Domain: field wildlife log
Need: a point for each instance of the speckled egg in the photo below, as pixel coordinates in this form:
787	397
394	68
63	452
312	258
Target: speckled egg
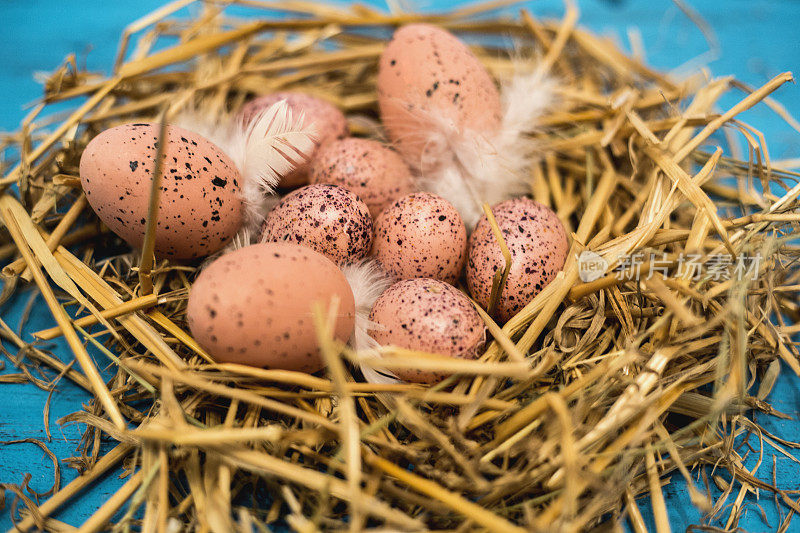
254	306
328	121
421	235
430	316
538	245
200	208
327	218
375	172
427	72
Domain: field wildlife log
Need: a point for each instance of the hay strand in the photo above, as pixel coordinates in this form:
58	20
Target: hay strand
587	399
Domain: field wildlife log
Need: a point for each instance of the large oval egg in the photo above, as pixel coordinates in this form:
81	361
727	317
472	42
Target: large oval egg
254	306
428	77
200	208
375	172
329	124
430	316
538	245
421	235
328	218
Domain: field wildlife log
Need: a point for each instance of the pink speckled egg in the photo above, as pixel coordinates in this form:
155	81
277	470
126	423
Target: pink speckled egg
376	173
421	235
430	316
538	245
424	73
254	306
328	121
327	218
200	207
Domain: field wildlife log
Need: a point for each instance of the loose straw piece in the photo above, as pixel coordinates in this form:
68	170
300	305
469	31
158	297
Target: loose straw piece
109	460
253	460
54	240
159	318
562	35
656	496
14	174
500	276
105	512
751	100
45	358
130	306
31	235
143	22
107	297
149	243
188	50
348	421
238	394
468	509
92	374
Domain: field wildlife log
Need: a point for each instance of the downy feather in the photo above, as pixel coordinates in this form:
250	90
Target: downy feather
367	281
473	168
268	147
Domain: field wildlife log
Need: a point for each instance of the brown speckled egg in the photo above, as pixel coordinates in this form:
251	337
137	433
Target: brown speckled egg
328	218
421	235
200	208
426	71
430	316
328	121
376	173
538	245
254	306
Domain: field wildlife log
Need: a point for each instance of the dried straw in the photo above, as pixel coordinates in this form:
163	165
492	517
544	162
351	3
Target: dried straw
586	400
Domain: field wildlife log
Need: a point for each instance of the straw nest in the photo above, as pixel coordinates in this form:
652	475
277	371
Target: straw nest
584	401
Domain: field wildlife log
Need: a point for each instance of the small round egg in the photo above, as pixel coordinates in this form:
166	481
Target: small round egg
421	235
538	245
428	77
430	316
200	208
329	124
327	218
375	172
254	306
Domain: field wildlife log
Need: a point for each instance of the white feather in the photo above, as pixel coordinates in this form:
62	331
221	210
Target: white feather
272	145
525	98
214	127
241	240
367	281
259	208
270	203
479	170
268	147
472	168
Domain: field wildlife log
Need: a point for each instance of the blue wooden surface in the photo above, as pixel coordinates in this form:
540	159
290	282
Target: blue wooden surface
758	40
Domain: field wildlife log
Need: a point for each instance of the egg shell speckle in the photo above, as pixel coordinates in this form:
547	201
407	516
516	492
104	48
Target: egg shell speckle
327	218
329	124
254	306
376	173
200	208
538	245
431	316
421	235
425	71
